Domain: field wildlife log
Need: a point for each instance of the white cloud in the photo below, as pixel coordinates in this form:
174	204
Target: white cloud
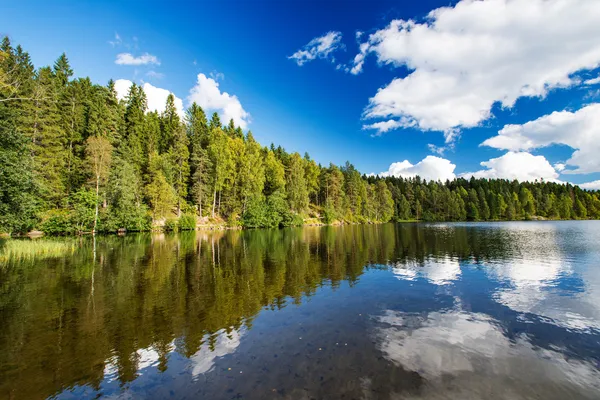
560	167
436	149
129	59
430	168
384	126
206	94
117	41
217	76
595	185
155	75
466	58
319	47
579	130
593	81
521	166
156	97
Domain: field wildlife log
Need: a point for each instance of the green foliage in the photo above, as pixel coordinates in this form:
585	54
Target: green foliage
56	222
171	225
63	139
329	214
256	214
84	205
291	219
18	190
187	222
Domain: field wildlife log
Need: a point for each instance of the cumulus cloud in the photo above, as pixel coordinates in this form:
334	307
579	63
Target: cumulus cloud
560	167
206	94
156	97
431	168
593	81
464	59
579	130
512	165
319	47
595	185
130	59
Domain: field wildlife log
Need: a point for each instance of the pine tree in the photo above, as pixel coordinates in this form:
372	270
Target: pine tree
222	163
253	172
182	168
274	174
297	192
170	125
48	141
131	148
160	193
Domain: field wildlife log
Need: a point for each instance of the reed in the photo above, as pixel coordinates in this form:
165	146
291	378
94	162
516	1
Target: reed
12	250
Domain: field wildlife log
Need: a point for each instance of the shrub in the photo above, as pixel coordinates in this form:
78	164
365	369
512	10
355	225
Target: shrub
171	224
255	215
292	219
55	222
328	214
187	222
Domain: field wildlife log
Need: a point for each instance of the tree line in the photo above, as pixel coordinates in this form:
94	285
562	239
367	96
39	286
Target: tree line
76	159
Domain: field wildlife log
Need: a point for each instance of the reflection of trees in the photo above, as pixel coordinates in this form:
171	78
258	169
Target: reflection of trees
63	318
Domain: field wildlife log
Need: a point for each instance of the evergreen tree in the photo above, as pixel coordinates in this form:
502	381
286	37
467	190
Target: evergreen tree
170	125
297	192
180	155
74	158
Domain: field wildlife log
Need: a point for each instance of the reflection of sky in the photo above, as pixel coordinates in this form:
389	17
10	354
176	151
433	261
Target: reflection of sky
548	270
535	280
201	362
469	346
204	360
438	271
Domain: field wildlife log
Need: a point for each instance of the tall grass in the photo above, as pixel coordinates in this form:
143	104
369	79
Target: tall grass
18	250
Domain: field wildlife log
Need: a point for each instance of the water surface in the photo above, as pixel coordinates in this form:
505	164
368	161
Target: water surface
394	311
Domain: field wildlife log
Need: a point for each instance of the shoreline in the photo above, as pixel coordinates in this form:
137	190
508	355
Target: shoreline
224	227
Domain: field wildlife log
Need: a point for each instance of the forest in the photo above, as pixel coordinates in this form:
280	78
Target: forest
76	159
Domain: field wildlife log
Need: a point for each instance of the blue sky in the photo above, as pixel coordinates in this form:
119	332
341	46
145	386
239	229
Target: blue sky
451	78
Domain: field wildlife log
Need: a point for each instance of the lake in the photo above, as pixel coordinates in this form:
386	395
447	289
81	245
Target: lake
394	311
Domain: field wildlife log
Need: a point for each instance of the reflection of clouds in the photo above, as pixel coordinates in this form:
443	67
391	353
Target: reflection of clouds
534	288
147	357
530	281
470	346
111	371
441	343
226	343
201	362
438	271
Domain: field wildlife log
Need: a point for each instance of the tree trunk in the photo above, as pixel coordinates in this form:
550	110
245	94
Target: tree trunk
214	200
97	195
200	203
219	206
